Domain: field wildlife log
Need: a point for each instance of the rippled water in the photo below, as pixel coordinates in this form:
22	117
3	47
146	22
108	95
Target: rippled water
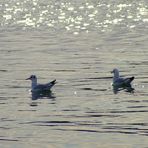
78	43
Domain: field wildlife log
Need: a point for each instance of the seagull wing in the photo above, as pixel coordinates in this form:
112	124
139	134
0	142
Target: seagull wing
41	87
129	80
123	82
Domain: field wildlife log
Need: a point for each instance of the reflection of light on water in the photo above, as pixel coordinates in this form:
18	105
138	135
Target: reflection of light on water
76	33
78	27
129	16
116	21
50	25
91	15
85	24
67	28
133	26
81	7
61	17
143	11
73	16
70	8
145	20
7	17
90	6
75	93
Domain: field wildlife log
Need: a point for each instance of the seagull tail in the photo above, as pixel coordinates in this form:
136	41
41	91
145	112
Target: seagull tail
53	82
129	80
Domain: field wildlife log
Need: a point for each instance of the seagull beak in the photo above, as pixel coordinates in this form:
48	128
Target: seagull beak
28	78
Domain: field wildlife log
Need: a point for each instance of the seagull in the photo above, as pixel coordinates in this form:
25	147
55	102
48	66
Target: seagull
121	82
40	87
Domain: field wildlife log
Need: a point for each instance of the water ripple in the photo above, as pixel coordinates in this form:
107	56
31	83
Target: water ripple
5	139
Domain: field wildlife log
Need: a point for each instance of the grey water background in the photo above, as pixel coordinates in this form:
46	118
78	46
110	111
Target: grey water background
78	43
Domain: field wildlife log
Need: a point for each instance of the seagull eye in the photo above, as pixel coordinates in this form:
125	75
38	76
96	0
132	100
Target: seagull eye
33	77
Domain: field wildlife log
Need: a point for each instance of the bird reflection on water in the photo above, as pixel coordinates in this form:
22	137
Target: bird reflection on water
129	89
42	95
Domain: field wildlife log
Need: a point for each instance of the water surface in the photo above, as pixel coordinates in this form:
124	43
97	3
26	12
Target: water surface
78	43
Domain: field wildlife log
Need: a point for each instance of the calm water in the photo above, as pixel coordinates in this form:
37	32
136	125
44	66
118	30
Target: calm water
78	43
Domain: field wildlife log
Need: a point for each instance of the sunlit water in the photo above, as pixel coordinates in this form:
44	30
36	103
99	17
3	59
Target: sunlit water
78	43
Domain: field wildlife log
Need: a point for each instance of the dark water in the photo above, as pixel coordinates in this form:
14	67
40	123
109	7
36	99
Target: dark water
78	43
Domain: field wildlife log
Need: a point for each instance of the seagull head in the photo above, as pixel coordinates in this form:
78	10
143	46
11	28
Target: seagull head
32	78
116	74
115	70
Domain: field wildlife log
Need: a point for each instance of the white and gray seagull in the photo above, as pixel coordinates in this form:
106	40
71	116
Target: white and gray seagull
119	81
40	87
